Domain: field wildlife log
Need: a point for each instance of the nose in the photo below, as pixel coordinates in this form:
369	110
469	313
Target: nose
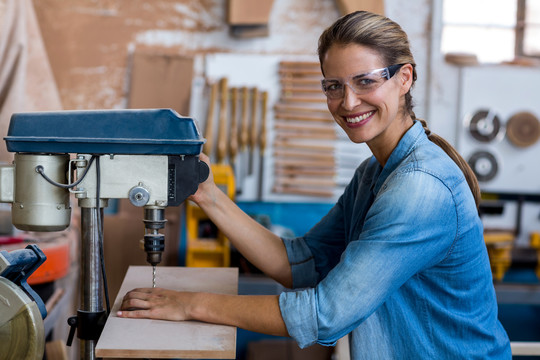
350	98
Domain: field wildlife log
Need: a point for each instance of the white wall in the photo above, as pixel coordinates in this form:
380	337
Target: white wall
454	93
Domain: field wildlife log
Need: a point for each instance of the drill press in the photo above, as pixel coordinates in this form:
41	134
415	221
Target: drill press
150	157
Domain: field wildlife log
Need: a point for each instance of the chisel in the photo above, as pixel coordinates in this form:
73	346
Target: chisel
243	138
222	129
262	141
233	140
209	131
253	128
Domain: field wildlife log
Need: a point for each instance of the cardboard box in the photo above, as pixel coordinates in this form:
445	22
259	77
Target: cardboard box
348	6
249	12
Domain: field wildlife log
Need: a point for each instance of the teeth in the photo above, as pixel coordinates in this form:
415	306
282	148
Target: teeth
359	118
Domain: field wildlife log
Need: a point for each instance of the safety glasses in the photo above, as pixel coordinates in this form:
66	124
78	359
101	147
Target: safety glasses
359	83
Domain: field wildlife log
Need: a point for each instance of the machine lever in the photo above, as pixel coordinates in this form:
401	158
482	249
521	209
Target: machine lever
88	324
72	322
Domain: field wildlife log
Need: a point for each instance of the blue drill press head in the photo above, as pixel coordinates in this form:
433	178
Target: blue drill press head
142	132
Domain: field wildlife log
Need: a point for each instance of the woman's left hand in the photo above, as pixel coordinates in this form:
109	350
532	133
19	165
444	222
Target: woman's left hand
156	303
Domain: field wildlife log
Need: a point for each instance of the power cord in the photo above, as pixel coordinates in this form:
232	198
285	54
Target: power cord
39	169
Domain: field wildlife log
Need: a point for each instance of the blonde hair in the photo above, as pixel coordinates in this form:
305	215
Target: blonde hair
392	44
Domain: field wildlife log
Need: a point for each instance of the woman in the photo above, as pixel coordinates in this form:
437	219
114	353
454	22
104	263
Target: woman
399	263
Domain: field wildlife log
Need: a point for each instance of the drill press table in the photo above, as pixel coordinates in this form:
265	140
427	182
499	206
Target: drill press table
145	338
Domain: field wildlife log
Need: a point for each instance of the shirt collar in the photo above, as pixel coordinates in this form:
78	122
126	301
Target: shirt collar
405	146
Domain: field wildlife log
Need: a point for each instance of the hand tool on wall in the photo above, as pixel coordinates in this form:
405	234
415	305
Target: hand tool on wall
262	141
243	138
244	123
209	130
222	128
233	138
253	128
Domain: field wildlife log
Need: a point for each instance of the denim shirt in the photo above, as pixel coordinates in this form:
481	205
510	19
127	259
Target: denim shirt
399	263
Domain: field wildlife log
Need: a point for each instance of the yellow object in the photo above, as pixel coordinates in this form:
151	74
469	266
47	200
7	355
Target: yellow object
499	245
210	249
535	243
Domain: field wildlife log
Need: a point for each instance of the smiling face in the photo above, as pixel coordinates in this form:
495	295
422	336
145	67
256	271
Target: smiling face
375	117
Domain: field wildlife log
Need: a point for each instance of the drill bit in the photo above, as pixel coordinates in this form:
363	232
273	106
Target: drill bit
154	276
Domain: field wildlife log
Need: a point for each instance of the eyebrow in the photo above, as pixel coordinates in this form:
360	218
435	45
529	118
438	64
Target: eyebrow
357	75
362	75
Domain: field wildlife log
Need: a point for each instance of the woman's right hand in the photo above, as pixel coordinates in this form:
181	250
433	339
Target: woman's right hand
206	188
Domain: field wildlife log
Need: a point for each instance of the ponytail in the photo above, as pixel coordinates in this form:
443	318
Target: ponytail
458	159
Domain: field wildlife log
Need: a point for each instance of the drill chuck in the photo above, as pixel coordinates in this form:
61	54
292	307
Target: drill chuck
154	245
154	242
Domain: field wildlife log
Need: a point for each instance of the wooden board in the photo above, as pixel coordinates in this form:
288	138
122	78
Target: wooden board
145	338
161	81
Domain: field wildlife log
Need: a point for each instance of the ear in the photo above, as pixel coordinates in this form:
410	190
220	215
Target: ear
405	78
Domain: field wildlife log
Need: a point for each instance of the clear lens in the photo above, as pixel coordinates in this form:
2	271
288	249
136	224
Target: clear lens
332	88
359	83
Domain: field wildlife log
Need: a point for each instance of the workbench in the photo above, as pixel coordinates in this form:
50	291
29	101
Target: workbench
146	338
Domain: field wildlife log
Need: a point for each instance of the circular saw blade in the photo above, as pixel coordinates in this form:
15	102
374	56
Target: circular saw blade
484	165
485	126
22	334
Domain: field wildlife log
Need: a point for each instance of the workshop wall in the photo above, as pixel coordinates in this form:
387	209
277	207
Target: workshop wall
100	50
90	42
94	48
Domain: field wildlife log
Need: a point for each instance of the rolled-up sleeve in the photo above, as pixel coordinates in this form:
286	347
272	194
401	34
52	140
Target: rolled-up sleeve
302	263
299	311
405	230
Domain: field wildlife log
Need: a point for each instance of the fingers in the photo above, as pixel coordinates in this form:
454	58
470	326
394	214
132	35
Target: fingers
136	304
134	314
142	290
137	299
130	304
204	158
140	293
